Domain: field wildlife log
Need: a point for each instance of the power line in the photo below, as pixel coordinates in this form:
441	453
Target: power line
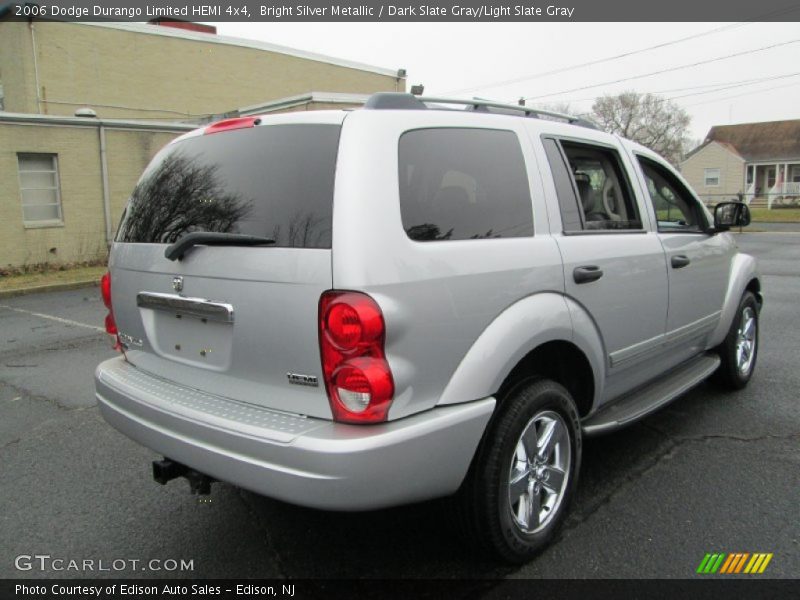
743	94
741	84
719	85
598	61
668	70
756	19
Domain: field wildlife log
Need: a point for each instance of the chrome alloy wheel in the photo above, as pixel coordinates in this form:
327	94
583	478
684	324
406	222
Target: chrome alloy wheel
539	471
746	341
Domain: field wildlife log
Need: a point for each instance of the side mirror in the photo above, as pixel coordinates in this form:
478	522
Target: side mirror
731	214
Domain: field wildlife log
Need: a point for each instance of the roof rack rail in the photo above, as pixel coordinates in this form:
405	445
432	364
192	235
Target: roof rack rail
403	101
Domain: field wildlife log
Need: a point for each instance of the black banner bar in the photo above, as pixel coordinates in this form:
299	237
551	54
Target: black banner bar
411	11
154	589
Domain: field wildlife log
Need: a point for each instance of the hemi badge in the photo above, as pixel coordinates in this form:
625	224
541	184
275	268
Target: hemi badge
300	379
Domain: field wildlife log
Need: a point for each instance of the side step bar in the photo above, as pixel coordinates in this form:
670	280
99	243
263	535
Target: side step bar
645	400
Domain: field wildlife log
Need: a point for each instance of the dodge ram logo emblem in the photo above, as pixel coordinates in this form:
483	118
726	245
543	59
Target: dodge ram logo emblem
177	284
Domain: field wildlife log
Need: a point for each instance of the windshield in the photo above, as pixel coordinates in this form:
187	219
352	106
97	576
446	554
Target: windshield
270	181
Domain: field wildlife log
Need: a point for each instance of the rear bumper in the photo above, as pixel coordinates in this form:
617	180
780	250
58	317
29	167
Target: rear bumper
305	461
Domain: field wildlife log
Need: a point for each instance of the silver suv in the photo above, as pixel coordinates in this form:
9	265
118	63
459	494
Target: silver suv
351	310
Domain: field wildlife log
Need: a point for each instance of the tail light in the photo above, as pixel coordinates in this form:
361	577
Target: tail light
111	325
357	376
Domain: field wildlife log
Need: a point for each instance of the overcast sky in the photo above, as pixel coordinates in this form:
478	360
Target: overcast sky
474	59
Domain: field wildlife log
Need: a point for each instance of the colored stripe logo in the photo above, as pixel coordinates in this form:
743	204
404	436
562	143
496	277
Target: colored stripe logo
737	562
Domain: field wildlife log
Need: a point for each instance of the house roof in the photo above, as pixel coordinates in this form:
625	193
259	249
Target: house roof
771	140
729	147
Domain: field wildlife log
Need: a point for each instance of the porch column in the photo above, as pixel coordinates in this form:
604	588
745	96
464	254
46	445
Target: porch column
785	181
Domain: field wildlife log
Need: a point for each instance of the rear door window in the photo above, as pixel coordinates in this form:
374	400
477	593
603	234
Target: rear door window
603	191
272	181
462	184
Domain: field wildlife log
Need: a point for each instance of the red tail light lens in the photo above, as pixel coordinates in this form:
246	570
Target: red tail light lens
105	289
357	376
111	325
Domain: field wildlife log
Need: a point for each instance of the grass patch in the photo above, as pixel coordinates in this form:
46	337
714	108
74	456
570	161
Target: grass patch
776	215
49	277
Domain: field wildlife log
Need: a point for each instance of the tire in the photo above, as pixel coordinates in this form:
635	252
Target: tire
739	351
500	518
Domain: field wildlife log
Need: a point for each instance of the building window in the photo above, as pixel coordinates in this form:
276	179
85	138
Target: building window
39	189
712	177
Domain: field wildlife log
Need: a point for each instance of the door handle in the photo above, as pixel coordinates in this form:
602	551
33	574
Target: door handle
587	273
679	261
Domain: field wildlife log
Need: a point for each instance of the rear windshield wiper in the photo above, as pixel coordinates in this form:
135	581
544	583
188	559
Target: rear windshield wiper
208	238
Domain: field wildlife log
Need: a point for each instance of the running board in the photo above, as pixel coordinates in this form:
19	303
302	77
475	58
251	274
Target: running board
645	400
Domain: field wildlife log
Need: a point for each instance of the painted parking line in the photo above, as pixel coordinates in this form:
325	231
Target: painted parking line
53	318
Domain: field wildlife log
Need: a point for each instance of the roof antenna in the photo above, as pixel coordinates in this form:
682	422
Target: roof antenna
418	90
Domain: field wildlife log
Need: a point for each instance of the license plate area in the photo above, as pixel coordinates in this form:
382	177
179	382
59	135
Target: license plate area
191	331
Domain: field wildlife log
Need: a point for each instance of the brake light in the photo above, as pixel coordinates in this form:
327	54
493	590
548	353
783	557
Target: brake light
111	325
357	376
228	124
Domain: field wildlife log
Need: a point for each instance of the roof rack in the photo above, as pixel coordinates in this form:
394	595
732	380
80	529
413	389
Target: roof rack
403	101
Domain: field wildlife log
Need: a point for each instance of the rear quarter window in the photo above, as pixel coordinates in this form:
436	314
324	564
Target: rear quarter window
462	184
271	181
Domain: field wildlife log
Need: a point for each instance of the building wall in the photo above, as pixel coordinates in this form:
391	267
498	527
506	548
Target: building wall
82	236
128	153
715	156
16	67
130	74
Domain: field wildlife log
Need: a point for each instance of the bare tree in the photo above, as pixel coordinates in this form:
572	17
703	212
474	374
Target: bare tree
178	197
655	122
560	107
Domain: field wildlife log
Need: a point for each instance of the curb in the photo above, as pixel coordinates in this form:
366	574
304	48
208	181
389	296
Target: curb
52	287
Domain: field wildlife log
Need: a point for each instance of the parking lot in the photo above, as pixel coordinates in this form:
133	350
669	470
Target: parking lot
713	472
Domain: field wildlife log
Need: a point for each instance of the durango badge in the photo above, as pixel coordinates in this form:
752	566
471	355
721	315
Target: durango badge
300	379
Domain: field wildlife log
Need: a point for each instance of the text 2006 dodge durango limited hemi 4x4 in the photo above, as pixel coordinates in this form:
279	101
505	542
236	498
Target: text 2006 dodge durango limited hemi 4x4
422	298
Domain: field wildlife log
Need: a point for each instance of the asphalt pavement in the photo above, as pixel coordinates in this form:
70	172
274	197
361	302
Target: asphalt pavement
713	472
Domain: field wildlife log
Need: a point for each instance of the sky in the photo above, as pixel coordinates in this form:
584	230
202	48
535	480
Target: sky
506	61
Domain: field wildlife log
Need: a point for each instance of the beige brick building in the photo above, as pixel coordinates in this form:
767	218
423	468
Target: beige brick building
64	179
131	71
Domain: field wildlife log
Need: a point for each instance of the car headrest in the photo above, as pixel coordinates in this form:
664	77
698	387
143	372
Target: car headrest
586	191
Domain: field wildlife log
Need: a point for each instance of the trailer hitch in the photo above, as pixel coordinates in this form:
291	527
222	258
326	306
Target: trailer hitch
167	469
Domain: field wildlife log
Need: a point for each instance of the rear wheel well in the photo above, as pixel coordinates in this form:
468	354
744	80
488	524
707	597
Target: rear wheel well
560	361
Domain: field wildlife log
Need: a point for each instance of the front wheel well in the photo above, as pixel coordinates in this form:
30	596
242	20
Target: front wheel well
754	285
560	361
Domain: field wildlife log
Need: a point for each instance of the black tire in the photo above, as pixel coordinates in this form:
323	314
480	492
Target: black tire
730	374
486	514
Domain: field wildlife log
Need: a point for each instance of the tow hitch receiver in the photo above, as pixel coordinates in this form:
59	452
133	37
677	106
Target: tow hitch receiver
166	470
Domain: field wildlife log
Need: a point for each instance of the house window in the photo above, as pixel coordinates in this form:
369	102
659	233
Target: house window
711	177
39	189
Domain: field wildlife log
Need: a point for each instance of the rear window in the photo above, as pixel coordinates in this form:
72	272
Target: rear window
461	184
274	181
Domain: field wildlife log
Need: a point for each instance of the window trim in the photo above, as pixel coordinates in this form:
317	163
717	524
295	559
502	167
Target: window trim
41	223
718	177
575	195
525	164
703	226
